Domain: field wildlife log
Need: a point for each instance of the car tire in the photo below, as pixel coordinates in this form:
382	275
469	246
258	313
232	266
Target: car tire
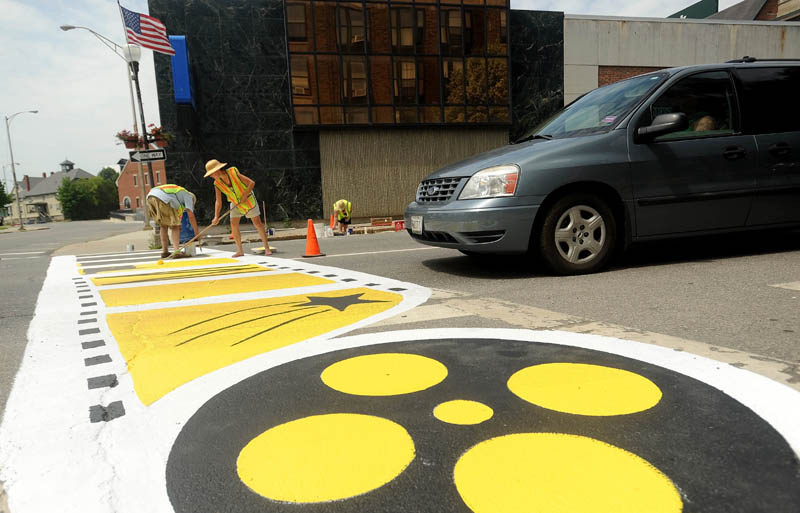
578	235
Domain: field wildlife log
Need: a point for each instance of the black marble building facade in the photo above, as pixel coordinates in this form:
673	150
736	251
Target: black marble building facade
537	68
241	88
239	63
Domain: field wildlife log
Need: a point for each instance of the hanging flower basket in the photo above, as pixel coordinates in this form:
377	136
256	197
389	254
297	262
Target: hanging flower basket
130	139
161	137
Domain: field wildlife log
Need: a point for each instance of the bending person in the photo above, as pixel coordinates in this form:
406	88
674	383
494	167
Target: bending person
342	212
166	204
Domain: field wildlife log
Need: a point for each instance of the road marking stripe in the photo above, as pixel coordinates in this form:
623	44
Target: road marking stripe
24	253
793	285
374	252
92	344
113	297
20	258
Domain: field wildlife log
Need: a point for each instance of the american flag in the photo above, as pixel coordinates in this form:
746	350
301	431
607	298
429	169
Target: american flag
146	31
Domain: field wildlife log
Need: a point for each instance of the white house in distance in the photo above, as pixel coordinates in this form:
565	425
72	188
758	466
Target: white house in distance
38	195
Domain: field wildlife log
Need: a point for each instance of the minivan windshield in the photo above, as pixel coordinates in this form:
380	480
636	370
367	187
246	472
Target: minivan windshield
598	110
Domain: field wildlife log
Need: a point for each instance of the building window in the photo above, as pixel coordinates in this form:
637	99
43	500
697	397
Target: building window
453	80
158	176
126	202
405	81
300	79
135	181
451	31
305	115
356	116
296	22
147	178
138	202
351	29
355	80
408	29
503	28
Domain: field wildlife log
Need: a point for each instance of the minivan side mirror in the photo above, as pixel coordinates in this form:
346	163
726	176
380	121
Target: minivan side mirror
663	124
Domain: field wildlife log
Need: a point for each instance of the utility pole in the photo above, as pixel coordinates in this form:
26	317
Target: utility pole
14	169
135	67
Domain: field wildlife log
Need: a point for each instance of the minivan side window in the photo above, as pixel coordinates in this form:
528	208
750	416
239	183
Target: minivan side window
707	99
770	99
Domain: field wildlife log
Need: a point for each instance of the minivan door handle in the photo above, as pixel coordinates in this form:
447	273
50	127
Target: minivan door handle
734	152
780	149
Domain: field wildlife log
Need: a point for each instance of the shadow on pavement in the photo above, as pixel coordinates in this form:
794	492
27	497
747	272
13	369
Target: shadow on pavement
703	249
643	254
488	267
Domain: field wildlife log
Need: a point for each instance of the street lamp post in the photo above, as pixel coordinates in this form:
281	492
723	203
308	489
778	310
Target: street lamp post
127	54
134	54
13	168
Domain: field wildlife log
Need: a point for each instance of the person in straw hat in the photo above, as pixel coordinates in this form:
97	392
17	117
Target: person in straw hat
238	189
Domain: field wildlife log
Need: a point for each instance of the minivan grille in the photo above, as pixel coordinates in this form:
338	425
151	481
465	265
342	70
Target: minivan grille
437	190
433	236
483	237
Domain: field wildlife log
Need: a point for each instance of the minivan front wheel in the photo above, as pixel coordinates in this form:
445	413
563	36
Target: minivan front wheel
578	234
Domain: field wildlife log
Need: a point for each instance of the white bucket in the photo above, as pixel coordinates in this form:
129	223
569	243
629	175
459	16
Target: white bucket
129	248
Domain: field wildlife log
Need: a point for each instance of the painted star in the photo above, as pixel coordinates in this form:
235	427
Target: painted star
340	303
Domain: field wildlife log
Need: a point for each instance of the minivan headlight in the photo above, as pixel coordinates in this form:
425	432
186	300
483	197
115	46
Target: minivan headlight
492	182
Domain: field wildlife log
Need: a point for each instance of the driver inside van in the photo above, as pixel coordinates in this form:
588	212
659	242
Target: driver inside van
702	122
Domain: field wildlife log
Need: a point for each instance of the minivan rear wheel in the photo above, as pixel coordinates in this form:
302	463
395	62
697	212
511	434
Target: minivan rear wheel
578	234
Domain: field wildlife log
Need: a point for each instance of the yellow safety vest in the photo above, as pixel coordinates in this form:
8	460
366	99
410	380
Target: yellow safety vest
347	208
235	192
171	188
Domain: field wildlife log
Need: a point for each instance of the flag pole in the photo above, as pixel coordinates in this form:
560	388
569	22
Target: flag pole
135	127
130	84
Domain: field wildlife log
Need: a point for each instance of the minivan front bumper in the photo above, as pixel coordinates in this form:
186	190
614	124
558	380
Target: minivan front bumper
495	225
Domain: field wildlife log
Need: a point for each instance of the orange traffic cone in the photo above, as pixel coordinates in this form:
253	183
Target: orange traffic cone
333	223
312	245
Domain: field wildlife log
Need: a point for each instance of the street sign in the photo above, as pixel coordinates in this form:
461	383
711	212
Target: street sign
148	155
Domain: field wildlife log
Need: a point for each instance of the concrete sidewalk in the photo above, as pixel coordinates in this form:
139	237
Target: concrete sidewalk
142	239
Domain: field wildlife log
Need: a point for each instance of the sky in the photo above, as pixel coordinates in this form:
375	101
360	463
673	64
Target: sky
80	89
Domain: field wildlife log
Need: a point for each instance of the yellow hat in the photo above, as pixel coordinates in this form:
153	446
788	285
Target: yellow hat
214	165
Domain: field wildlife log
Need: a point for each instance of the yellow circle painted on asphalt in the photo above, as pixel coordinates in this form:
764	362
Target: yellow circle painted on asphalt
559	473
384	374
462	412
325	457
584	389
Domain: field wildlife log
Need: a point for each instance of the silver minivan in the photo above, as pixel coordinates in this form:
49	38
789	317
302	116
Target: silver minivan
693	150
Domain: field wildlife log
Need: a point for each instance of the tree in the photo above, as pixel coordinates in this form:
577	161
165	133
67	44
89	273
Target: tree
5	197
109	174
91	198
105	196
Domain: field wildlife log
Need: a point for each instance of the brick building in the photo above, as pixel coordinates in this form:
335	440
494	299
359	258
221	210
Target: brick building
129	187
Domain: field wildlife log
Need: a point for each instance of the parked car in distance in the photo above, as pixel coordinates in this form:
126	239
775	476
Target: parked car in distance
694	150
